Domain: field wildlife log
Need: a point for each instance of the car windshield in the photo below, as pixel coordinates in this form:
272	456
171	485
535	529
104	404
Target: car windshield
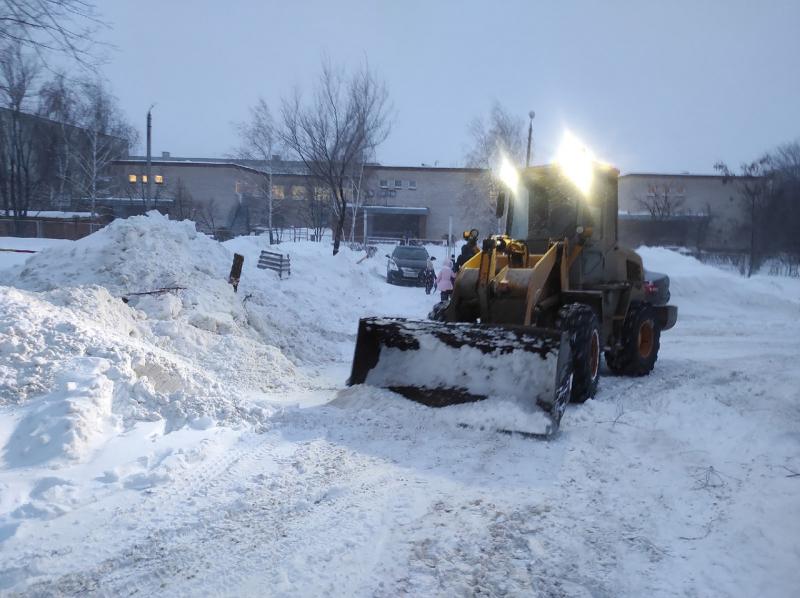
410	253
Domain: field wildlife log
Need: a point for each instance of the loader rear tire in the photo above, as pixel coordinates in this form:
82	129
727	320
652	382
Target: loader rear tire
641	340
581	323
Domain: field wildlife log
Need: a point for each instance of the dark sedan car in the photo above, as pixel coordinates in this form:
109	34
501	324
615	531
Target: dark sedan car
406	264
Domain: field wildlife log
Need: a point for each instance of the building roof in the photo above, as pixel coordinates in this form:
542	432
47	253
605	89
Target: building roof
425	168
55	123
132	200
683	175
396	210
57	214
296	167
136	160
647	216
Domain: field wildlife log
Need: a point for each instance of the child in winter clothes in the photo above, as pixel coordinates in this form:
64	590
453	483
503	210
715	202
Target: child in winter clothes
444	281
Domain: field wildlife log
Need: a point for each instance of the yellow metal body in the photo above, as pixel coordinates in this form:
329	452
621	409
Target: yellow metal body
504	284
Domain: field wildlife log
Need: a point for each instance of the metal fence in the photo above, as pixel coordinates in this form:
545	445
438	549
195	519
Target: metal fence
72	229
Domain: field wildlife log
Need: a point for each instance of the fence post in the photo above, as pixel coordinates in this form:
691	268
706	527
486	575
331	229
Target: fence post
236	271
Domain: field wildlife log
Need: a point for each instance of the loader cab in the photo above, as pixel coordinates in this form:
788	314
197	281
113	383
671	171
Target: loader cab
548	207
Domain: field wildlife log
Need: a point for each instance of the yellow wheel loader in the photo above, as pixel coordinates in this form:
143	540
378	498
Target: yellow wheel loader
532	311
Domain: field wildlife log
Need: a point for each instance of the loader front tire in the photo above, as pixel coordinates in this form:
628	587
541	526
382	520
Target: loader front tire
641	340
581	323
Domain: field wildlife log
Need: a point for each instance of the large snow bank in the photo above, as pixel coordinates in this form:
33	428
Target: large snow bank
702	290
73	355
313	314
195	354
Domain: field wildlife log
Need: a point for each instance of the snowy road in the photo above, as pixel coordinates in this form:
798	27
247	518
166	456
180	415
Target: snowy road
662	486
678	484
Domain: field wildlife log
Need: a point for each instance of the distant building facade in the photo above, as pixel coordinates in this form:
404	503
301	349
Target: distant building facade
230	197
421	202
702	211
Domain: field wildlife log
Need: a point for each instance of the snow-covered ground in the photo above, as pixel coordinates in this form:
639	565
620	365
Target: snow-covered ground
203	442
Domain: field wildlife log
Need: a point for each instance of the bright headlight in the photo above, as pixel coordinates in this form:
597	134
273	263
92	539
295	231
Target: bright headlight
508	174
576	160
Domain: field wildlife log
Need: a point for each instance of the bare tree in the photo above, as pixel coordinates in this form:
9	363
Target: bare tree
782	218
754	184
317	212
662	202
357	196
19	165
259	140
206	216
346	118
501	135
58	102
106	136
49	27
183	205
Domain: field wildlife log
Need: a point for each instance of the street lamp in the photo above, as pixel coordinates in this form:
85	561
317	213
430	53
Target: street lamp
530	134
149	156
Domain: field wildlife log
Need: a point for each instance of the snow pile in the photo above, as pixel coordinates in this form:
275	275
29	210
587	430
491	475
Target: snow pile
312	315
196	353
69	419
702	290
680	482
490	416
83	362
142	254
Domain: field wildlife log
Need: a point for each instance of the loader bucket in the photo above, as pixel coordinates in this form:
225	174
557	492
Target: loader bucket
441	364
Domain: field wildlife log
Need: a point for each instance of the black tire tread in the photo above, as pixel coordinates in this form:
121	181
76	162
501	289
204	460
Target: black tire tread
626	361
579	320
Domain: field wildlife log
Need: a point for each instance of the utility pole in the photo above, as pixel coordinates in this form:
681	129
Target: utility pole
148	186
530	135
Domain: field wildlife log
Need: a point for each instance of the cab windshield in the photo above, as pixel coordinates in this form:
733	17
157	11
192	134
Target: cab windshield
549	207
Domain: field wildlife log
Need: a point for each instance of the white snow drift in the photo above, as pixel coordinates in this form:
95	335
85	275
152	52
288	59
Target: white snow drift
200	441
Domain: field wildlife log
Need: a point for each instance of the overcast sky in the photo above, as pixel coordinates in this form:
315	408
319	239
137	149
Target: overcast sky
649	86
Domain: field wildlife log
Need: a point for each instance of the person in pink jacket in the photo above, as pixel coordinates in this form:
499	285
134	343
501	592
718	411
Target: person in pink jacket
444	281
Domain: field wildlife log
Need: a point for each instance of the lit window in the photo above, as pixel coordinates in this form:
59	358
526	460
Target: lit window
277	192
298	192
132	178
384	184
398	184
322	193
144	178
412	185
159	179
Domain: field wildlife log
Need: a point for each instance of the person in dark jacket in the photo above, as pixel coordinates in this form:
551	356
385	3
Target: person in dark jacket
469	248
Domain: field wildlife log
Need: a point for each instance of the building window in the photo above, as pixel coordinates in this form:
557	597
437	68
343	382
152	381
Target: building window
277	192
159	179
321	193
384	184
132	178
398	184
298	192
412	185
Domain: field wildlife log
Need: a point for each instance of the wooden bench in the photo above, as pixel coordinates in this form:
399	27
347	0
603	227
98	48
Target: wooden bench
272	260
